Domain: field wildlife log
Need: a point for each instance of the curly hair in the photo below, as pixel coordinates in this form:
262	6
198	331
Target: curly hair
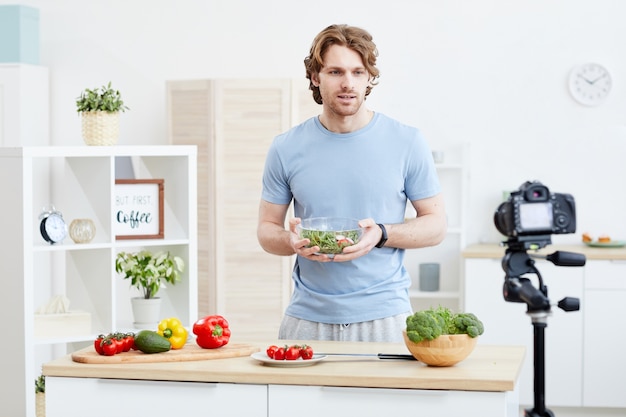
357	39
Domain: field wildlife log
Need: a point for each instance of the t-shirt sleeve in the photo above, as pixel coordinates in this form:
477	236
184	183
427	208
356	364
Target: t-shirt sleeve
275	185
422	180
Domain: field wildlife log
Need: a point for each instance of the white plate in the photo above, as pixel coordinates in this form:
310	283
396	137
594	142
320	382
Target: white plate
611	244
262	357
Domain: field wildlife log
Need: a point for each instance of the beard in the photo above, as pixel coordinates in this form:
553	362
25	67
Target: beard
340	107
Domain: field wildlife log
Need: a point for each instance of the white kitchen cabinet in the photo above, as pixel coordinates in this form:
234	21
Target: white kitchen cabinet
233	122
79	181
507	323
604	367
153	398
453	176
374	402
66	398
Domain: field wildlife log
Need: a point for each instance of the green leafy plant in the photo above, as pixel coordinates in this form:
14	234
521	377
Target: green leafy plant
148	271
104	98
40	384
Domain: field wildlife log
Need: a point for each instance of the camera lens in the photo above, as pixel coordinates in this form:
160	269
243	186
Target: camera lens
503	220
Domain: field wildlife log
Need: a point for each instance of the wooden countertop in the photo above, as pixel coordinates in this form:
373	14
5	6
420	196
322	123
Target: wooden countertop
488	368
496	251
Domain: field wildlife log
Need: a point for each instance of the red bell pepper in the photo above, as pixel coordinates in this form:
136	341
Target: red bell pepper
211	331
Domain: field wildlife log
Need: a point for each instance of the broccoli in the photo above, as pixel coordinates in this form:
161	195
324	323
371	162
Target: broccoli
424	325
468	323
432	323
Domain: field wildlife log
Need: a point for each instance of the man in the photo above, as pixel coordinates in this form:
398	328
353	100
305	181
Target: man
349	162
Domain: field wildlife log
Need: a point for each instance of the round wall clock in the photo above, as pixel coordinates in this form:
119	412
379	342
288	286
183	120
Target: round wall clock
52	226
590	84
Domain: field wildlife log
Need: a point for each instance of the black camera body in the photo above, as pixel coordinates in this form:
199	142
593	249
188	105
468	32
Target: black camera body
533	210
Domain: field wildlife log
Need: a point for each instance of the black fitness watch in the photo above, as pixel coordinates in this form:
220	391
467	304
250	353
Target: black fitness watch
383	238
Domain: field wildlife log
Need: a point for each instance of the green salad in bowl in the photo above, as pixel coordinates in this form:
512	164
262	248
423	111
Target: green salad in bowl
330	234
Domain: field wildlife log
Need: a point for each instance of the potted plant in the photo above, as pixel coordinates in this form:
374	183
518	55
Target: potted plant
148	272
40	396
99	109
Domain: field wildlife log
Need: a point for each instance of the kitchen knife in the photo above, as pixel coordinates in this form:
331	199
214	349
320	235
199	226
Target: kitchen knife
373	355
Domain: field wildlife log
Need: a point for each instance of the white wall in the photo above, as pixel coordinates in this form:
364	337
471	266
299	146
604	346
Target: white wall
489	72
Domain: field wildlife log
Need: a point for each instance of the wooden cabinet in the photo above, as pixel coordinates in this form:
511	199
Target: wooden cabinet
233	122
453	176
79	181
604	308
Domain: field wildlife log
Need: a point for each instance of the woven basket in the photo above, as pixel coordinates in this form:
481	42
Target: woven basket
40	404
100	128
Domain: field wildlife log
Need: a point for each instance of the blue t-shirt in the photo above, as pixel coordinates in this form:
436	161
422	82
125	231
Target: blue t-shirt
369	173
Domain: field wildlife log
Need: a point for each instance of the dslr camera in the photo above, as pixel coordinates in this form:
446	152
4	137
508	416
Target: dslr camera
533	211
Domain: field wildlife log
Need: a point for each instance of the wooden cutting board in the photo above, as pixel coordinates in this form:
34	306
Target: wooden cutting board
190	352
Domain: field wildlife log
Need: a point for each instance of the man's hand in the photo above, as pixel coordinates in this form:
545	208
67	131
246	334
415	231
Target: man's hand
369	239
299	245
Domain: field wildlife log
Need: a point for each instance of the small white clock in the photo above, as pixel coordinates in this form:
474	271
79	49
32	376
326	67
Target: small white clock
52	225
590	84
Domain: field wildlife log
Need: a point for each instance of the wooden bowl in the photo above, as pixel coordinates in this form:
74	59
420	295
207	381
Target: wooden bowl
446	350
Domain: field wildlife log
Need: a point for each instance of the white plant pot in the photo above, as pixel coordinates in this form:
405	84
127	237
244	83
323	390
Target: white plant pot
146	312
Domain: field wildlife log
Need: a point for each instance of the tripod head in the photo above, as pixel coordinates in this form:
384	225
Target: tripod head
517	262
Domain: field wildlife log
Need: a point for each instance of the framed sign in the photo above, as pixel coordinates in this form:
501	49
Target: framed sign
138	212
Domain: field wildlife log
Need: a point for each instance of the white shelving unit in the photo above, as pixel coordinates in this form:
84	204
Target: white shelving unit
79	181
453	176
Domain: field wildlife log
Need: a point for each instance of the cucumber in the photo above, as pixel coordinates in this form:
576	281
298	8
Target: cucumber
149	341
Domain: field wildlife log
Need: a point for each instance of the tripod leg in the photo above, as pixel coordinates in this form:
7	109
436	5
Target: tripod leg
539	362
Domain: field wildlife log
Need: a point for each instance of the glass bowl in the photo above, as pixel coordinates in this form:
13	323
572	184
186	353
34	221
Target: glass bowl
330	234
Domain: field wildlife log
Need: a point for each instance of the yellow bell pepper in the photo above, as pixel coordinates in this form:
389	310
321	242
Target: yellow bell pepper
174	331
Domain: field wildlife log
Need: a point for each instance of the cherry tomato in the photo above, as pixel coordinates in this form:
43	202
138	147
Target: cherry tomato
109	347
119	343
271	350
129	341
97	344
306	352
292	353
279	354
343	241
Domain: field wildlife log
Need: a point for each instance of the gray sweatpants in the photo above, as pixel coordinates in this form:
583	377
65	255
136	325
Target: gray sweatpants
388	329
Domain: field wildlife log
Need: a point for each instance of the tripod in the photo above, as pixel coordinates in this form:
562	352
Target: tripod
518	289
